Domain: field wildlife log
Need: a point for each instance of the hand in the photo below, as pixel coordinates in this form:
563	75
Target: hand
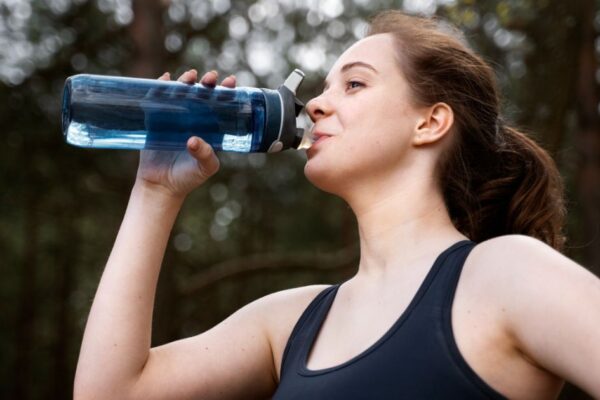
178	172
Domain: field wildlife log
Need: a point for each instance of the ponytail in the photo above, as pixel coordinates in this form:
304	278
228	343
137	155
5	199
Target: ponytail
515	189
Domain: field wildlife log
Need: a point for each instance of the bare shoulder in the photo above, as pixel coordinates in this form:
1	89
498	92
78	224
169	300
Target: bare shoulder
520	258
281	310
288	300
548	303
514	248
519	269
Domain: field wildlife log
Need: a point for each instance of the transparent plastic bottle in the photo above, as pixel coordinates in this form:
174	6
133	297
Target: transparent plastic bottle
131	113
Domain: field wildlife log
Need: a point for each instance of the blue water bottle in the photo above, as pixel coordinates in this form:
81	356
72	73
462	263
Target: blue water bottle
131	113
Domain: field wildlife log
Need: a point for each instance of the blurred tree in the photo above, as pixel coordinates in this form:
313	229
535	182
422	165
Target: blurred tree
587	137
254	228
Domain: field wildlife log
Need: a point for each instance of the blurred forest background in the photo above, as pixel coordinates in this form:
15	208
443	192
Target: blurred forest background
258	226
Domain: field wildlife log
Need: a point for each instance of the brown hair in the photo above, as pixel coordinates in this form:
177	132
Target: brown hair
495	180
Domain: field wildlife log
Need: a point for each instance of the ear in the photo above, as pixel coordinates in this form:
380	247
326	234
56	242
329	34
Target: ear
433	124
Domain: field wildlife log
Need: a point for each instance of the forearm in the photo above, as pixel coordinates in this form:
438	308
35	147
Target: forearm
117	337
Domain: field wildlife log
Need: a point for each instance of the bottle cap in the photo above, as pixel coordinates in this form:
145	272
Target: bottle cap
282	108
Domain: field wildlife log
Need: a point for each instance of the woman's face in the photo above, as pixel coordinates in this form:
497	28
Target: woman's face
363	120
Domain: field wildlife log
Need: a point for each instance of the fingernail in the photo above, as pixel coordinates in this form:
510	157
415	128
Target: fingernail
193	144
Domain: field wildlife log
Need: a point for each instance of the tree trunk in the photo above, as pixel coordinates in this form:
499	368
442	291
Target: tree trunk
27	299
587	139
587	142
148	36
63	286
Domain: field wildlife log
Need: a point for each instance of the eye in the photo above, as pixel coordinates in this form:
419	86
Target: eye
354	84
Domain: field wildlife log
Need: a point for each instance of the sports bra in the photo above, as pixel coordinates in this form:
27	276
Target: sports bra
417	358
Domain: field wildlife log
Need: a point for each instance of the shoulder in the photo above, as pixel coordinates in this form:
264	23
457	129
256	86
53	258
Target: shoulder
280	311
283	308
276	314
521	258
513	248
547	303
534	271
519	270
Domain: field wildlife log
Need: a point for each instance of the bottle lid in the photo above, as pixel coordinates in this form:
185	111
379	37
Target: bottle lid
282	108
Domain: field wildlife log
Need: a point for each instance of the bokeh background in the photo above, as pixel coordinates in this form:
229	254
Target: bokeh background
258	226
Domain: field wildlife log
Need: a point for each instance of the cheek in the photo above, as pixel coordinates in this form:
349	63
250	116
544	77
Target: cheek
370	143
385	132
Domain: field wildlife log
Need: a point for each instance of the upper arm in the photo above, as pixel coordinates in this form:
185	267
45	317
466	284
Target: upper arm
553	310
233	360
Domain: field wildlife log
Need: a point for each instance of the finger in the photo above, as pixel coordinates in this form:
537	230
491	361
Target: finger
155	91
210	79
229	82
189	77
204	154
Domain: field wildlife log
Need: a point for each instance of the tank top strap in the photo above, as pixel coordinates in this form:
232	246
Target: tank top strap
306	328
448	269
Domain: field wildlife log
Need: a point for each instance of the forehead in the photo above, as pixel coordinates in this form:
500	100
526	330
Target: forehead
377	50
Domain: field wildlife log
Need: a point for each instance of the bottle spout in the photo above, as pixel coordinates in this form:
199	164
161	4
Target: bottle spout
305	138
294	80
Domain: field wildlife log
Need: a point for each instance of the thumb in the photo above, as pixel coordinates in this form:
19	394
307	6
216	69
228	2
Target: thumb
207	160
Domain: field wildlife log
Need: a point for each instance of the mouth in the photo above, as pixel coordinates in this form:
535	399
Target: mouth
319	137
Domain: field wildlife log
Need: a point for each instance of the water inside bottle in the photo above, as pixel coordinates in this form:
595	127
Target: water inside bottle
139	114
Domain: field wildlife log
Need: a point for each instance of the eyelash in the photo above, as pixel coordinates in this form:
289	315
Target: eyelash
349	83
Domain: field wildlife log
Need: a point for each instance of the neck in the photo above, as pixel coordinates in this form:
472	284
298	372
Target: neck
399	223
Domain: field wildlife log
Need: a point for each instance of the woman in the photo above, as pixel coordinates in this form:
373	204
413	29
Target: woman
408	133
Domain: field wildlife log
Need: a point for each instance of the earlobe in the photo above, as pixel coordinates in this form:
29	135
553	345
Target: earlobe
434	124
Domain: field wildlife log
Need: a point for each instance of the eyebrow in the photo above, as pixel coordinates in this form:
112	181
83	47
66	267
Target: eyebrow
350	65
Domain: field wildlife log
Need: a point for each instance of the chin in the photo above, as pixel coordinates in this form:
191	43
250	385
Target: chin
326	179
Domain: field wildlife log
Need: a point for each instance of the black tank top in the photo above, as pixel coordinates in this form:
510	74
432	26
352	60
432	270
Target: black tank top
417	358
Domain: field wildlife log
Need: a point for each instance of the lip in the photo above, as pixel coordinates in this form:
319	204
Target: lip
317	144
319	137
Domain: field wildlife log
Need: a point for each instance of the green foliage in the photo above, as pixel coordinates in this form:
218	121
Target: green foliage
61	206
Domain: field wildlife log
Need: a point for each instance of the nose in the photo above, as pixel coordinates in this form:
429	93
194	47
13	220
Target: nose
317	108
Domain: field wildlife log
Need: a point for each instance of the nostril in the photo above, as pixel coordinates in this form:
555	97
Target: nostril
313	109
